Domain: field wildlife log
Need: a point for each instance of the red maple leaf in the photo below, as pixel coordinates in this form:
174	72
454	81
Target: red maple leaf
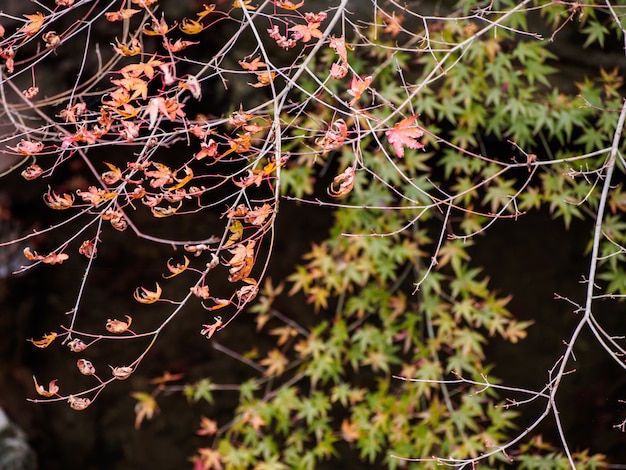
404	134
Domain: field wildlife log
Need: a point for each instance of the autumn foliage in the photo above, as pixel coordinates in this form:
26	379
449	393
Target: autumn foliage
389	109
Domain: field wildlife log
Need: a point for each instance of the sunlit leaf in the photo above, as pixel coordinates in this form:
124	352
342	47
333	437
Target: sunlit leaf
45	341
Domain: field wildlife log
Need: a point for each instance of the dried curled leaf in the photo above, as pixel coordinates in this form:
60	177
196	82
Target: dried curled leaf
183	181
247	293
334	136
53	388
88	249
116	218
45	341
191	27
177	46
209	330
118	326
127	50
200	291
95	196
51	38
121	373
112	176
77	403
345	181
258	215
32	172
28	147
177	268
289	5
219	303
52	258
160	212
58	202
76	345
358	86
85	367
145	296
123	14
263	79
208	149
242	261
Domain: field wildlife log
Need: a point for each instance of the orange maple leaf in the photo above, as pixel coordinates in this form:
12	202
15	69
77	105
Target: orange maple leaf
288	5
254	65
34	25
45	341
306	32
404	134
177	46
123	14
242	261
339	45
358	87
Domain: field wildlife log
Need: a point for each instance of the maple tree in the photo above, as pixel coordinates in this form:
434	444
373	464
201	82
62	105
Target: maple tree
390	111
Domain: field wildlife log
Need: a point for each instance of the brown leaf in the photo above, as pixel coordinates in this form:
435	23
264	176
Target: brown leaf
345	181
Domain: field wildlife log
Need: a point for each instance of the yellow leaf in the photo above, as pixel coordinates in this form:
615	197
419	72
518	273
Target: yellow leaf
288	5
160	212
145	408
128	50
191	26
207	10
45	341
34	25
275	363
245	4
184	181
